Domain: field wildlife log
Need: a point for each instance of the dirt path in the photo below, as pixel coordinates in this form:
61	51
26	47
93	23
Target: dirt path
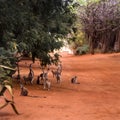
95	98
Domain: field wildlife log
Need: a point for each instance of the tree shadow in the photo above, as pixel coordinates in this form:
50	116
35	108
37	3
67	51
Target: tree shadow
2	114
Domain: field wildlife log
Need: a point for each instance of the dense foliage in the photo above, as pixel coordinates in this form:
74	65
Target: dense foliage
35	26
7	58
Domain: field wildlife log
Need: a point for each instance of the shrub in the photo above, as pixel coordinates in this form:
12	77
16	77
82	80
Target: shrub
82	50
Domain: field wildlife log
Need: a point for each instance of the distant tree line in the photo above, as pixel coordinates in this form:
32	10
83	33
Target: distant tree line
101	23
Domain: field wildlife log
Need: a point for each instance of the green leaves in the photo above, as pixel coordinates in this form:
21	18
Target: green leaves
32	25
6	73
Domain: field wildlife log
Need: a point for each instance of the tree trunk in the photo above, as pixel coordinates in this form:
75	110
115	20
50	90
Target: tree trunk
91	46
119	41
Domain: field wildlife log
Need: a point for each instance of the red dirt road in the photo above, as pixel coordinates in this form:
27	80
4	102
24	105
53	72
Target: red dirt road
97	97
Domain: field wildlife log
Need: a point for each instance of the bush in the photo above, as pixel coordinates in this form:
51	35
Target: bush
82	50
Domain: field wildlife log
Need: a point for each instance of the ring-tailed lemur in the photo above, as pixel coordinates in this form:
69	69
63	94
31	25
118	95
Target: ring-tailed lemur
74	80
47	84
43	76
57	75
30	76
24	91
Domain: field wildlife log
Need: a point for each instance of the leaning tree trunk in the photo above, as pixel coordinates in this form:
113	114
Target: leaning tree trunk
91	43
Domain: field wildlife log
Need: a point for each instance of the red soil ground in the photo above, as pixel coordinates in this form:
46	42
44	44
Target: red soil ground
97	97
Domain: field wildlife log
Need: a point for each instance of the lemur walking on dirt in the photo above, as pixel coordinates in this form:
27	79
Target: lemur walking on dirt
57	73
30	76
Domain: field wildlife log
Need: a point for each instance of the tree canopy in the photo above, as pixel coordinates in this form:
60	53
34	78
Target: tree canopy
35	26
